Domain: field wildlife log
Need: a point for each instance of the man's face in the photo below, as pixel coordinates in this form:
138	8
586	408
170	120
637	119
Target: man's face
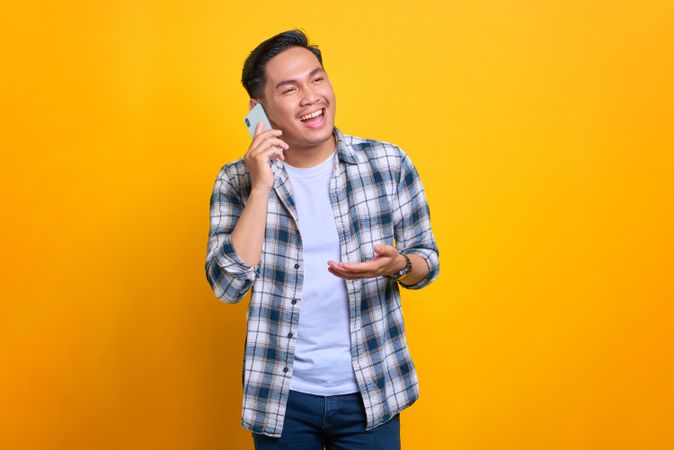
296	85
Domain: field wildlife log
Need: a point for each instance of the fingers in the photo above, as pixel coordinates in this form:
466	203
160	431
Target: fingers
268	155
355	271
270	147
339	272
264	140
258	129
267	145
261	136
369	267
334	269
341	275
385	250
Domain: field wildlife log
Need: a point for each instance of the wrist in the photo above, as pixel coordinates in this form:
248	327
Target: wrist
260	191
405	270
400	264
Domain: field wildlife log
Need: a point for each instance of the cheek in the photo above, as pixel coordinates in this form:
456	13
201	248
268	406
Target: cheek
330	95
280	114
287	112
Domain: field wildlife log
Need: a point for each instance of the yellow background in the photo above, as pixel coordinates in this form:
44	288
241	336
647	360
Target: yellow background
543	132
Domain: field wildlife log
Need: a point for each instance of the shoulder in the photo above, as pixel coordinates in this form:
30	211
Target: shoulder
233	175
375	151
233	171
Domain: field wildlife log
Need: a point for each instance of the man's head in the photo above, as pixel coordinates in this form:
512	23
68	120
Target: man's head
286	75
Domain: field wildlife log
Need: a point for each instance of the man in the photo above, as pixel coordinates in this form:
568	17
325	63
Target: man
323	227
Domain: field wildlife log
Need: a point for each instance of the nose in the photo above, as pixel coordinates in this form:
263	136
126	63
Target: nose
310	96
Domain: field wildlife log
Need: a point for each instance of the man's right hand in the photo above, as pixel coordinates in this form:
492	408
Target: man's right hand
265	146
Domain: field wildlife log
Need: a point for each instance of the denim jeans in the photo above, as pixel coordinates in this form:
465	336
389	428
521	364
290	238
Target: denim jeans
336	422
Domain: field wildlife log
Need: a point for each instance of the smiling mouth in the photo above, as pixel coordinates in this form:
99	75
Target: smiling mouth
314	116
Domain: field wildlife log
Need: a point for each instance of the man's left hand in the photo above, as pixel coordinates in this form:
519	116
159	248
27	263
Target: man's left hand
386	262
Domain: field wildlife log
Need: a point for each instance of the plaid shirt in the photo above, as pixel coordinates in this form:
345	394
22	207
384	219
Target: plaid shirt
377	197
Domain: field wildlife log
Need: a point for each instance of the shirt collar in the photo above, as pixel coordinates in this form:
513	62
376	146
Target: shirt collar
345	150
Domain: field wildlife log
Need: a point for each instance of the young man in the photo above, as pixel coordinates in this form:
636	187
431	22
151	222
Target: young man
323	227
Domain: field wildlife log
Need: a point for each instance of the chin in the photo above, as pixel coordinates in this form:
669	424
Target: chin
310	138
320	137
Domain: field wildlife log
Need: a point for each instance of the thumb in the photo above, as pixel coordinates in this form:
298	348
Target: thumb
385	250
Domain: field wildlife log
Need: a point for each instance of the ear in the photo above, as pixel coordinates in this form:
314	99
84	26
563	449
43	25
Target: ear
251	103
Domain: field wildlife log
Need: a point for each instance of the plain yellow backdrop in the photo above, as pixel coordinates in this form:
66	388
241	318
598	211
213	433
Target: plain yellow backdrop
543	132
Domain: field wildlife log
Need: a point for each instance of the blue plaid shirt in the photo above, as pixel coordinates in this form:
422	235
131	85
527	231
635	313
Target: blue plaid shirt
377	198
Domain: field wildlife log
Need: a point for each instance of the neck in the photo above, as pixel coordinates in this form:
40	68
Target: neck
304	157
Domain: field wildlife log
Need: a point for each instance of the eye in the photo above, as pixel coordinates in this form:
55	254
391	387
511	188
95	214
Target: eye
316	80
288	90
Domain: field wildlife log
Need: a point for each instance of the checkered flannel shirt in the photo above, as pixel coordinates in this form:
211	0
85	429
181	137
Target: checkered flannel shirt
377	198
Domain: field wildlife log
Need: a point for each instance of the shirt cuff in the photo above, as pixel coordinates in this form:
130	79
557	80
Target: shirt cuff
230	261
431	258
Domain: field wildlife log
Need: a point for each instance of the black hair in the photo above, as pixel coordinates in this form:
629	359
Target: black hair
253	78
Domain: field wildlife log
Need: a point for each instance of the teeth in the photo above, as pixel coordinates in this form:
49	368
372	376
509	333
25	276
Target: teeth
314	114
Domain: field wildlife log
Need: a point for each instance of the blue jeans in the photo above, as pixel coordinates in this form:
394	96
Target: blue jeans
335	421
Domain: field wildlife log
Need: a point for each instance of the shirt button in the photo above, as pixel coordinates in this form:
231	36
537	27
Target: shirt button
297	266
293	301
285	369
290	335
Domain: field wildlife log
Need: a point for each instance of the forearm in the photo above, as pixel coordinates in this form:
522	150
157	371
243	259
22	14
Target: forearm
248	234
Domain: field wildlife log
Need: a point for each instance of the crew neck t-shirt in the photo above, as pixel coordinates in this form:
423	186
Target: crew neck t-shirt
322	363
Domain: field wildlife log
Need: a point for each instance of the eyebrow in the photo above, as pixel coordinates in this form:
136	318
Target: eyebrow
311	74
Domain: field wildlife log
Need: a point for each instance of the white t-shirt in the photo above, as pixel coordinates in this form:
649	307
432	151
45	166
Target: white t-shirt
322	363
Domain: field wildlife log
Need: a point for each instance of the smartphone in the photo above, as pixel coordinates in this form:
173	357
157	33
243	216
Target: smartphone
255	116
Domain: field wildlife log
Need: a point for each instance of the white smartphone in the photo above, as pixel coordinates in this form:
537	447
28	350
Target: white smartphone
255	116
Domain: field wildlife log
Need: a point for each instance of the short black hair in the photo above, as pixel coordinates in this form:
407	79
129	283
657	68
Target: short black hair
253	78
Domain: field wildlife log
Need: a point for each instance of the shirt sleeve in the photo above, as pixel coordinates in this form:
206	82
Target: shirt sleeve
229	277
412	222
